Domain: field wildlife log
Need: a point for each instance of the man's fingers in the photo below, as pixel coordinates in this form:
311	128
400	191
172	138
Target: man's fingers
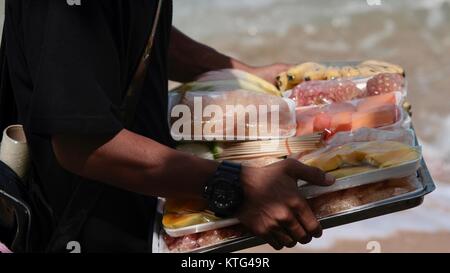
306	240
273	242
293	227
308	220
283	238
312	175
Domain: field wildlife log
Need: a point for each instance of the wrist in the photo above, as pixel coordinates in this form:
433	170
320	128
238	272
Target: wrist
223	191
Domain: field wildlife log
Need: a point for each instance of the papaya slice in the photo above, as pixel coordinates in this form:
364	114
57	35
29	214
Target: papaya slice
375	102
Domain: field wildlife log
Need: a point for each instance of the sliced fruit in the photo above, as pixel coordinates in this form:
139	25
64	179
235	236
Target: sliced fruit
173	220
375	102
378	154
375	118
349	171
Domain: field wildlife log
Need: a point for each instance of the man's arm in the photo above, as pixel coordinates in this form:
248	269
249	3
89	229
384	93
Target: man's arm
188	59
136	163
272	207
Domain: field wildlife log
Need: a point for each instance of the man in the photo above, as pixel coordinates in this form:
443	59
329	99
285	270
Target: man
70	66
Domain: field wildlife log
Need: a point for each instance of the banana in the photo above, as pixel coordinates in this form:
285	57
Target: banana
282	81
332	73
349	72
313	71
385	66
235	74
295	75
367	71
315	74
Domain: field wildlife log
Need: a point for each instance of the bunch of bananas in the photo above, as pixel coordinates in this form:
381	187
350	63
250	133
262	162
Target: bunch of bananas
229	79
311	71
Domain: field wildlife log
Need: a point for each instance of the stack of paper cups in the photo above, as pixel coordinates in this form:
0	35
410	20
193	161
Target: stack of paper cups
14	150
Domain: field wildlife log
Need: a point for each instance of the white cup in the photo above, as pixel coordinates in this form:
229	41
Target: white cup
14	150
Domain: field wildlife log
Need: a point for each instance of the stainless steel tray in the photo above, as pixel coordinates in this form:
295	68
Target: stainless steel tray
387	206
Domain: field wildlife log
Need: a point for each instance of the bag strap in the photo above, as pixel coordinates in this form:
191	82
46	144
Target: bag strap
132	96
87	194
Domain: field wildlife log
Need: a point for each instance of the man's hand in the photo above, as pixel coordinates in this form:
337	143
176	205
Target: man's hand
273	208
270	72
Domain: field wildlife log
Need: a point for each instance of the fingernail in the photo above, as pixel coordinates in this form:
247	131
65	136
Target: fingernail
329	179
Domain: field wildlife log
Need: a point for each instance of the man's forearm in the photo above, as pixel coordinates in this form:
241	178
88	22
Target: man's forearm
188	58
133	162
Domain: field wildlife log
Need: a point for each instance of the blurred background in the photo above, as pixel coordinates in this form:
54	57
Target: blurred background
414	34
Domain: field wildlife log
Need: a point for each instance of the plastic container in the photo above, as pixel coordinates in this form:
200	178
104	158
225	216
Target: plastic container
405	136
382	112
201	227
234	115
403	170
322	92
360	163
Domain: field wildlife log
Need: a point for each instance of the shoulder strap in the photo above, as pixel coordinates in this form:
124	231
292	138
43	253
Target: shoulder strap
136	84
86	194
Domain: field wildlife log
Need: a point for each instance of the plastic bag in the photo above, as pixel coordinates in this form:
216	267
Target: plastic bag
230	115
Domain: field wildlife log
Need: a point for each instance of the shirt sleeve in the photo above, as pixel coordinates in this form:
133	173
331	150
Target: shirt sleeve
77	85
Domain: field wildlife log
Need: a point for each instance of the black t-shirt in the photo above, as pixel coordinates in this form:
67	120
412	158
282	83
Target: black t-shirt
69	69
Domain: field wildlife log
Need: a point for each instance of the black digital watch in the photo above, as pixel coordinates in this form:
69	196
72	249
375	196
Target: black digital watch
224	191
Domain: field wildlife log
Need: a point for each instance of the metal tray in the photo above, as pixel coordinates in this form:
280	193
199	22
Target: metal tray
387	206
311	191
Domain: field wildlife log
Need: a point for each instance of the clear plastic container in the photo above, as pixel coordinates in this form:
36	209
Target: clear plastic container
230	116
382	111
341	90
405	136
361	163
403	170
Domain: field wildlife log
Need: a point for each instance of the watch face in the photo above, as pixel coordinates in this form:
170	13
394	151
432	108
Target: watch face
224	195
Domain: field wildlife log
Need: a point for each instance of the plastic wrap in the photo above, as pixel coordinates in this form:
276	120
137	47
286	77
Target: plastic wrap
380	111
230	115
333	203
311	71
377	154
360	163
198	241
341	90
405	136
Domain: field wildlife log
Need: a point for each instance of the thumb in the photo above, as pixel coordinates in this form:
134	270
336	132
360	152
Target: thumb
312	175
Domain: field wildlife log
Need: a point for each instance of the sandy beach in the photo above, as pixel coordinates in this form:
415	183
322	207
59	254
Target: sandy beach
407	241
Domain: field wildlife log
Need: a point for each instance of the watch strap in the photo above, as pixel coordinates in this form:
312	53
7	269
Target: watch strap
229	170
